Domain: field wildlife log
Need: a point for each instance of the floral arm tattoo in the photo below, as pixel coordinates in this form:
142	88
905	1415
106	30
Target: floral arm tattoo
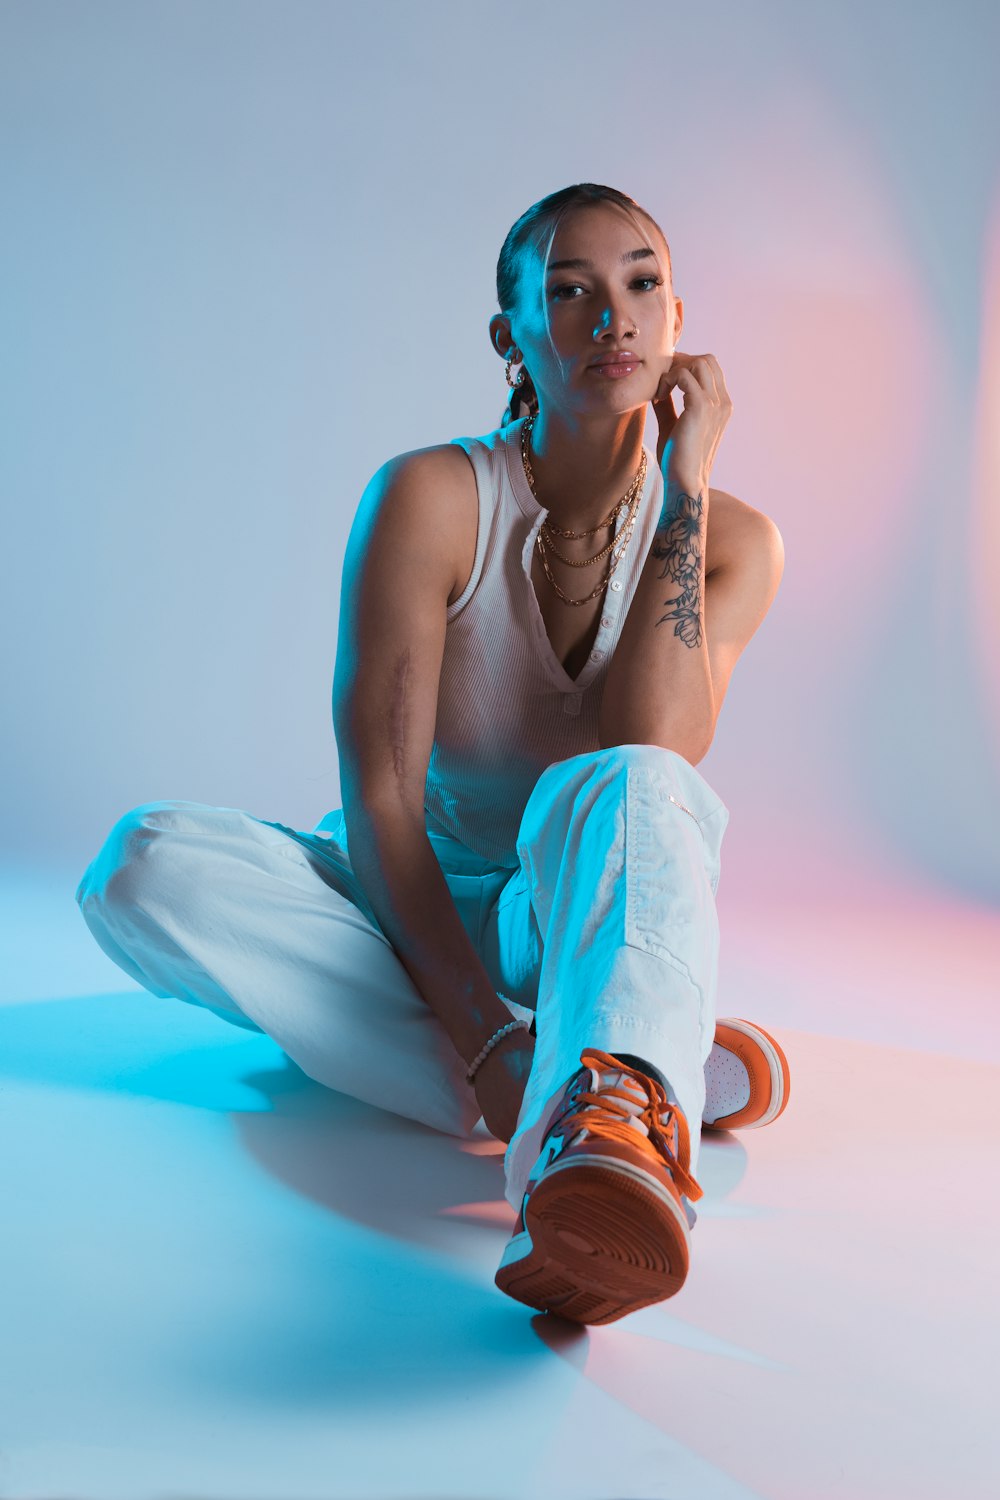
678	541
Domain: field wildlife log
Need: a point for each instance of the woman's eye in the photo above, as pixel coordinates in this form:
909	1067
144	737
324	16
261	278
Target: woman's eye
574	286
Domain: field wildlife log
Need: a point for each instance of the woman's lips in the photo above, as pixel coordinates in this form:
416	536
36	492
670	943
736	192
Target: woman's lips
617	370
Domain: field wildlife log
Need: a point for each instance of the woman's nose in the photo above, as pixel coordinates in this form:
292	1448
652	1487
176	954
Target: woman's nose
614	317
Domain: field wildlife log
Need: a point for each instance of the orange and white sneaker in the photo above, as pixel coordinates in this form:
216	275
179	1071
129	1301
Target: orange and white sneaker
603	1228
746	1077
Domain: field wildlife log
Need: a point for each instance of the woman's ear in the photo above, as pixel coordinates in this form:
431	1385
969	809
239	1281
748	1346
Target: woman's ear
501	335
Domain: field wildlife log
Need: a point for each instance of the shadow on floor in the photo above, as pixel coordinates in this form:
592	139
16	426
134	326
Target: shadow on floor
383	1294
374	1168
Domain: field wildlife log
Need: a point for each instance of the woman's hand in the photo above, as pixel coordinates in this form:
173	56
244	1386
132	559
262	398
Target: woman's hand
500	1081
687	444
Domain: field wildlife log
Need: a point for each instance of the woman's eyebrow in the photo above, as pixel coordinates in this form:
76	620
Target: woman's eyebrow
578	264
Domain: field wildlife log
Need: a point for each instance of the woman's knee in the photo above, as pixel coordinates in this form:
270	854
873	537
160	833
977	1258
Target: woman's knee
615	760
643	756
138	851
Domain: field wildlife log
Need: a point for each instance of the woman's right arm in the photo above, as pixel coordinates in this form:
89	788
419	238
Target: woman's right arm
400	568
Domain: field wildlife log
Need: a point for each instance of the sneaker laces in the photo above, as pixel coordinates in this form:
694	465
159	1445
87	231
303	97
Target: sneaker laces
620	1116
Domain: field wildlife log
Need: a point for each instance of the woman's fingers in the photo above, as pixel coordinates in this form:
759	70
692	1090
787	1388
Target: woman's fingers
696	373
663	389
718	379
702	373
687	381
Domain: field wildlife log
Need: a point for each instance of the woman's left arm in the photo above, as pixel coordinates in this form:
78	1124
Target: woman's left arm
665	685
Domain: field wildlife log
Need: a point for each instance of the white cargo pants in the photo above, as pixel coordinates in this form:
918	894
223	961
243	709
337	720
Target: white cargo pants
607	930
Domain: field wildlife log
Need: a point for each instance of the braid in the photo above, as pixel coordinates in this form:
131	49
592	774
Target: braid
523	395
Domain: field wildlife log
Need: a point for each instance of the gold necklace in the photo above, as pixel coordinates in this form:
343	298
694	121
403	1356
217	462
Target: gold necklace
630	498
579	562
582	562
616	558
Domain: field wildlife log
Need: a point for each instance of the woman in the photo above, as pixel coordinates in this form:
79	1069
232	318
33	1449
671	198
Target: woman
524	836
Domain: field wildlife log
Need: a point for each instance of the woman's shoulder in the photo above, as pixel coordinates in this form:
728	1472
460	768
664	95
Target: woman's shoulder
733	527
425	497
444	474
449	463
437	484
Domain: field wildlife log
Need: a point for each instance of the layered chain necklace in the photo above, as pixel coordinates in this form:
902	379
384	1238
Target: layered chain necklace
617	547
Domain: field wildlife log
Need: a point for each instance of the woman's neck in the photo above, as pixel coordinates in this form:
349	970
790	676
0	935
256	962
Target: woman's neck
581	468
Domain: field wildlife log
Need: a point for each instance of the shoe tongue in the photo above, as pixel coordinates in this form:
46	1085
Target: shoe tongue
612	1078
639	1100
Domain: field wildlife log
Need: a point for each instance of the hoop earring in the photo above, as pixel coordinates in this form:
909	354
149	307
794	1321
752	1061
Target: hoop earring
520	376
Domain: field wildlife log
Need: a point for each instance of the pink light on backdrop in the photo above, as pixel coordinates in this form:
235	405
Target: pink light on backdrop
840	349
853	427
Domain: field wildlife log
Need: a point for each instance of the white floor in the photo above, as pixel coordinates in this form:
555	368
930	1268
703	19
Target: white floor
222	1280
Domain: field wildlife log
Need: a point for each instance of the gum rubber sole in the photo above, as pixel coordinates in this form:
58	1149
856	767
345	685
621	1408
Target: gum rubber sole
602	1245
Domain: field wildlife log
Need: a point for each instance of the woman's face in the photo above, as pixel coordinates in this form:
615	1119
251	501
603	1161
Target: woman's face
592	309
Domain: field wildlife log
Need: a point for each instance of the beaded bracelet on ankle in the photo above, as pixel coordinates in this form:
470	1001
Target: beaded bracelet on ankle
497	1036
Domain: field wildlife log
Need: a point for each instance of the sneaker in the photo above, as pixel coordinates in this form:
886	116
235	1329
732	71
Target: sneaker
603	1228
746	1078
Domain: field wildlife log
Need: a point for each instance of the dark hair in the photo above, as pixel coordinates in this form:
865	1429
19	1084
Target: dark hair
527	234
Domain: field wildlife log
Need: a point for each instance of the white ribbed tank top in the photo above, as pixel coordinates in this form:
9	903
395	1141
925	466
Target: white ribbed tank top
506	706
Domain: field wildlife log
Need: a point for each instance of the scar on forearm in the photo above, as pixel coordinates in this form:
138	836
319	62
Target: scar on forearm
678	541
397	713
